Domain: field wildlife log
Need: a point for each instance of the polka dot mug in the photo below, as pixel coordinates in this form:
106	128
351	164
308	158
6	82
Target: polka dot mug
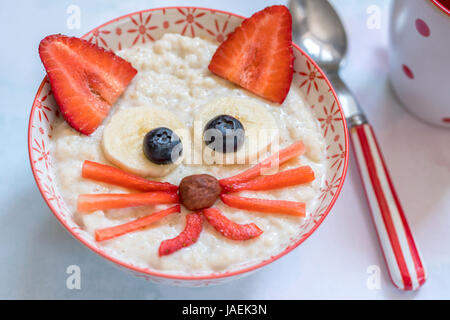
420	58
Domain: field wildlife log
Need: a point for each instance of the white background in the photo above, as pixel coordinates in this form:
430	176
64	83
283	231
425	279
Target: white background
35	250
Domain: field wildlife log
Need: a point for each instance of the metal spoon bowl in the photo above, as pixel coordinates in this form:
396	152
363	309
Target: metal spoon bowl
319	31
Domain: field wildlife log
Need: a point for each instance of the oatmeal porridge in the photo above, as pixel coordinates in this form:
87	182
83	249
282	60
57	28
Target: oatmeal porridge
174	84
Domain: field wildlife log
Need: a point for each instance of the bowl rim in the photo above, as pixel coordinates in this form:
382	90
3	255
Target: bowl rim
211	276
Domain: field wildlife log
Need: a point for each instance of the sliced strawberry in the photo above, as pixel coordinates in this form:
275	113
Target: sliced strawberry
292	208
106	201
230	229
108	174
190	234
278	180
258	55
86	80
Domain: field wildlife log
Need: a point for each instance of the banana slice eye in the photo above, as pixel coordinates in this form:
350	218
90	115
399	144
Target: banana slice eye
123	139
259	130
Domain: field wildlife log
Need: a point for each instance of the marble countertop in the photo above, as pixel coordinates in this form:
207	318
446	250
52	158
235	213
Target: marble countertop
336	262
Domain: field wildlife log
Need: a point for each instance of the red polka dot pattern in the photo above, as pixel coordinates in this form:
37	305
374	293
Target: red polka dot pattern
408	71
422	28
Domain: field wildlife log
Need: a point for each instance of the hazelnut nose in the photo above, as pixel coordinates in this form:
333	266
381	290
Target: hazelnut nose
199	191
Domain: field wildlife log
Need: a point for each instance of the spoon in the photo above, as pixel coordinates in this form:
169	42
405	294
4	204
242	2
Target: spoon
318	30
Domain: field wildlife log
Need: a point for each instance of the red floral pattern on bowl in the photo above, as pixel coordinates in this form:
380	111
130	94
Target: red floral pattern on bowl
142	27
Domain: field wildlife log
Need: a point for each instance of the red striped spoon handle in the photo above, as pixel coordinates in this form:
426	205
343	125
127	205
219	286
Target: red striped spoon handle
400	251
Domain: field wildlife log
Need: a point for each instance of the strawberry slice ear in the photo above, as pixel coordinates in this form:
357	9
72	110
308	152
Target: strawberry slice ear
258	55
86	80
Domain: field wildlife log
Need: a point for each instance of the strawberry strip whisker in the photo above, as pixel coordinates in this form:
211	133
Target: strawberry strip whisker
277	159
279	180
230	229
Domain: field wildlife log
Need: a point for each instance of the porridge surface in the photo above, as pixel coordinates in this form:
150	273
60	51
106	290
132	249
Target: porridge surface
173	75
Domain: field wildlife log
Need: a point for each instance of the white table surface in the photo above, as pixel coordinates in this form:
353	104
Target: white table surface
35	250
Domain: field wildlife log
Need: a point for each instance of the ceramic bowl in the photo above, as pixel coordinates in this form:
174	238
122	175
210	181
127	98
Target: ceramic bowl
149	25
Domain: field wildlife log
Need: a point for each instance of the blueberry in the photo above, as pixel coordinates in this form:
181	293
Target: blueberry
224	134
162	146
